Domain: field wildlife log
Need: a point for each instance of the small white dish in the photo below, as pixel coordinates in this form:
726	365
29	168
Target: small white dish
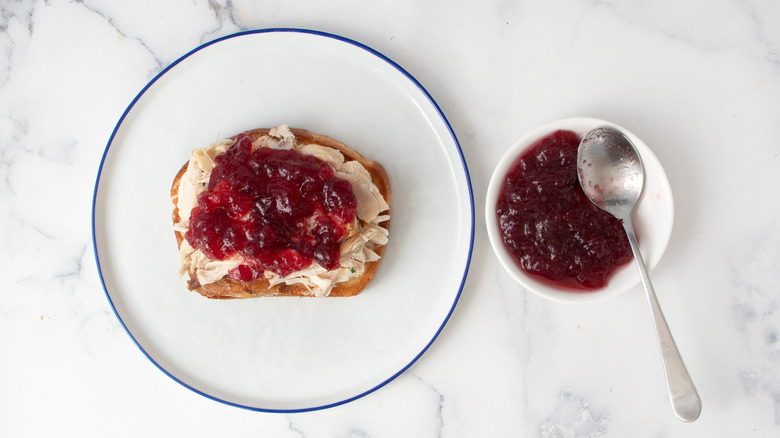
653	217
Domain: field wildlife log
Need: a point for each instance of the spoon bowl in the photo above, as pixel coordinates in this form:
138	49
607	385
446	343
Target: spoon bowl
610	170
611	174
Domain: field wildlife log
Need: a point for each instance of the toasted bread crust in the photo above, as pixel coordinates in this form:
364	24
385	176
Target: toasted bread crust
228	288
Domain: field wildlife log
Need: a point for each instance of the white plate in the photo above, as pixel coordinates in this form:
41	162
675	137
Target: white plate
284	354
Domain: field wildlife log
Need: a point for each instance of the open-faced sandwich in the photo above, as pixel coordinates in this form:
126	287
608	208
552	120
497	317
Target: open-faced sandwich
280	212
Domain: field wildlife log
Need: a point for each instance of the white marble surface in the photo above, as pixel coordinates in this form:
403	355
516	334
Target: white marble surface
699	82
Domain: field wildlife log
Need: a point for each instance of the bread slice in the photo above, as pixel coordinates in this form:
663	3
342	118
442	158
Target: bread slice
227	288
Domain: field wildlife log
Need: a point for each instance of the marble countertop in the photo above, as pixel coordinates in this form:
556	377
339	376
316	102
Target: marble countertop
699	82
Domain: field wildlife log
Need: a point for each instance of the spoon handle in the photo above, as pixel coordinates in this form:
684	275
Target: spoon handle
685	400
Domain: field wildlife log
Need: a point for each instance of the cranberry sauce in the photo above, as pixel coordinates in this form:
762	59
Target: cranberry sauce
550	226
279	210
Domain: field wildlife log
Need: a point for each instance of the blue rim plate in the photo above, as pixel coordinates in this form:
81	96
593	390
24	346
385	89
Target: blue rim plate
284	354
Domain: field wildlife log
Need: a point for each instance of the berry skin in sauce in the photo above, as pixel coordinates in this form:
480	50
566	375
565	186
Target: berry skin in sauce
550	226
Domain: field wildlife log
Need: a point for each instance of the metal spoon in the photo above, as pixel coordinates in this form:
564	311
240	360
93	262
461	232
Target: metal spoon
611	174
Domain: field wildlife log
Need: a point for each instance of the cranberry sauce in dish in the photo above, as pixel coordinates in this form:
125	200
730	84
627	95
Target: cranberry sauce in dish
278	210
550	226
